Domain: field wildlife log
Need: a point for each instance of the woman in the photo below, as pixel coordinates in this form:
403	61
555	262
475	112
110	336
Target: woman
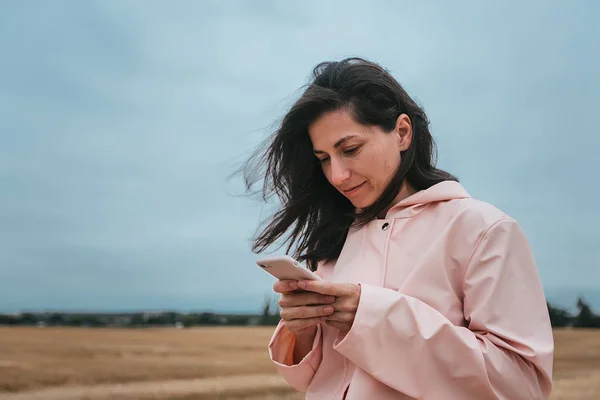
427	292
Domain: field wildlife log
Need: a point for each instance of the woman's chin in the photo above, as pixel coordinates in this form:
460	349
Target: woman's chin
361	203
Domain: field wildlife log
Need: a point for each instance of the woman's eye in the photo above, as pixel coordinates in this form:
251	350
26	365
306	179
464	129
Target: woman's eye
323	160
351	151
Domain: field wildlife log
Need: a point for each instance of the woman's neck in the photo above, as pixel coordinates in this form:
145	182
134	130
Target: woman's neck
405	191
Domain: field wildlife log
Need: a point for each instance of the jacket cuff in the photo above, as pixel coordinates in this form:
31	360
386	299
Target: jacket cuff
281	352
349	342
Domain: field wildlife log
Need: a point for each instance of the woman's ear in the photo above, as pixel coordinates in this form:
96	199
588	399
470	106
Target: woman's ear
404	131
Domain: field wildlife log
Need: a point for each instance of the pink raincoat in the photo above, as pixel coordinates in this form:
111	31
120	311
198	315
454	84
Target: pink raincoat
451	308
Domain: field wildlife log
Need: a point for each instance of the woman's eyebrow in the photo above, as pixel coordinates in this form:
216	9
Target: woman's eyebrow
338	143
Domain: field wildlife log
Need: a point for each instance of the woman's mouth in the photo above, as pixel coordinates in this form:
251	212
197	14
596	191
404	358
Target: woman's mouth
352	191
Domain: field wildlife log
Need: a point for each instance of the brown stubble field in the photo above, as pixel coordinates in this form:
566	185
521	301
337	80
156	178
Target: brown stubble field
200	363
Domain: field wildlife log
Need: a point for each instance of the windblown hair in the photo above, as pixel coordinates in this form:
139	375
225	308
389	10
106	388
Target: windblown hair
318	214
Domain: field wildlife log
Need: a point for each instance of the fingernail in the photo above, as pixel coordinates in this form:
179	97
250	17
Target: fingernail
330	299
302	284
328	309
293	285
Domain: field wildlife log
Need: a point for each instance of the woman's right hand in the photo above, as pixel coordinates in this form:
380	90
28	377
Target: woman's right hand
301	310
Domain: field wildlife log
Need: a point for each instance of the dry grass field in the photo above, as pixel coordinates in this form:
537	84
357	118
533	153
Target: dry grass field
203	363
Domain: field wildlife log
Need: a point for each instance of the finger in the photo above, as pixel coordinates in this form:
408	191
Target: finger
342	304
337	325
304	298
325	287
299	324
340	316
285	286
304	312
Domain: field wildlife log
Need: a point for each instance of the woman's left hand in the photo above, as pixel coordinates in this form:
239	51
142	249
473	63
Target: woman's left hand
346	303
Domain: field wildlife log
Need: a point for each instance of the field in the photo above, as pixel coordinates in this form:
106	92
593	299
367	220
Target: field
204	363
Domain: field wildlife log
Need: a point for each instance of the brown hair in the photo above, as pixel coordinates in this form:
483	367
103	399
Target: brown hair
319	214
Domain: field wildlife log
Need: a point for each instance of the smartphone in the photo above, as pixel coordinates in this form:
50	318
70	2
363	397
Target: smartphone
285	267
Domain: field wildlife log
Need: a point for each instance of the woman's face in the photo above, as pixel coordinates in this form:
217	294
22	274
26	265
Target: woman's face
359	161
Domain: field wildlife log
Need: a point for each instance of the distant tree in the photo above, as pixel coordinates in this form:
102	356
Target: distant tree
137	319
586	318
270	312
236	320
75	320
94	320
207	318
159	319
558	316
56	319
189	320
171	318
8	319
28	319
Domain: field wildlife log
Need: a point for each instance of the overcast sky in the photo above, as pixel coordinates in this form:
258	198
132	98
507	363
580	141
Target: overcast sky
120	122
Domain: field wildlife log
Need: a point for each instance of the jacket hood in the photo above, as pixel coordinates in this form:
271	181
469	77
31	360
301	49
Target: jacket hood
412	205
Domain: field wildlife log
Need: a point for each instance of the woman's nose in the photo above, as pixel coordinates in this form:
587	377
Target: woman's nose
339	172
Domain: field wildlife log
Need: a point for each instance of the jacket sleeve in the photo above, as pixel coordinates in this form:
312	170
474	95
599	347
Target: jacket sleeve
505	351
281	351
